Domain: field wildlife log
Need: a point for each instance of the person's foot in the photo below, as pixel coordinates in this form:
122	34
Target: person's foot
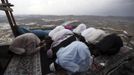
51	74
52	67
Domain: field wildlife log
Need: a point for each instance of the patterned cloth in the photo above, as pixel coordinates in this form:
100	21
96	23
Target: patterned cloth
24	65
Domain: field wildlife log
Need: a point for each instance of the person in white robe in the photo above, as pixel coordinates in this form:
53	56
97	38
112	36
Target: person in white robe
58	37
75	58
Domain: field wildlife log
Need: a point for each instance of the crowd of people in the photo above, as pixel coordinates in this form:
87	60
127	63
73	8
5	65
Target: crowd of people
71	50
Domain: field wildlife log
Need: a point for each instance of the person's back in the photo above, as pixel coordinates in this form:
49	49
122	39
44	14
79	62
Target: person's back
25	43
110	44
74	58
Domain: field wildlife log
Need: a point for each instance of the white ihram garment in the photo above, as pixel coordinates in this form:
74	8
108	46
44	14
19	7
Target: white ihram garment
56	29
75	57
93	35
61	34
79	28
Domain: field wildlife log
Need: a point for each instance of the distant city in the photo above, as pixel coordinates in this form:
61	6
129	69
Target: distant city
116	22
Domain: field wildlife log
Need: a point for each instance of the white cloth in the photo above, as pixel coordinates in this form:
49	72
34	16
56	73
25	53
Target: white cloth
75	57
79	28
88	31
52	67
93	35
61	34
56	29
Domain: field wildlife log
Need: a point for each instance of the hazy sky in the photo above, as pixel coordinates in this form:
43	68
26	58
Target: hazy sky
74	7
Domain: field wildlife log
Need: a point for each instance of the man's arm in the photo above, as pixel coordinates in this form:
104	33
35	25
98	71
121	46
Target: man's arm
32	48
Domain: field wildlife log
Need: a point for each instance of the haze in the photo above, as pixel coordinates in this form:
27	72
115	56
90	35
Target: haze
74	7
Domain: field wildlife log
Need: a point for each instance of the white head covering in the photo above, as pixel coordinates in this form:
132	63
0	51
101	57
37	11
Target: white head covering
93	35
56	29
79	28
75	57
97	36
87	31
61	34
